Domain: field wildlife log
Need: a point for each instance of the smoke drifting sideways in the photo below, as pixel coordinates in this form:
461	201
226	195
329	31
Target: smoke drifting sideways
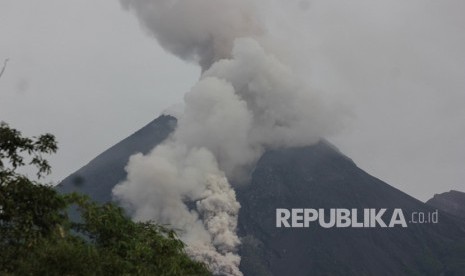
245	102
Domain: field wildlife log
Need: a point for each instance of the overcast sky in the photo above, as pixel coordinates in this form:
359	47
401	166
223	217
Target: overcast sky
86	72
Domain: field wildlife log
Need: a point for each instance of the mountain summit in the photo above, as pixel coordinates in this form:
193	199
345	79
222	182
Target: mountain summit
313	177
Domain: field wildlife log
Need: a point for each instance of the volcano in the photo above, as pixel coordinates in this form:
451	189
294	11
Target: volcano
316	176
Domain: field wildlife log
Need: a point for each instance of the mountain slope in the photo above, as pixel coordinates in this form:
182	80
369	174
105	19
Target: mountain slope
452	202
317	176
320	177
100	175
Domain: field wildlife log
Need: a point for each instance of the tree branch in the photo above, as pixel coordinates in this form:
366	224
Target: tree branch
4	66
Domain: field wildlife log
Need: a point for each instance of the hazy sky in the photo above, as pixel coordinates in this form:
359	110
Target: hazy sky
86	72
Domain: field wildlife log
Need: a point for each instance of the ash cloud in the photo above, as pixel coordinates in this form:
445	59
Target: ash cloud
246	101
202	31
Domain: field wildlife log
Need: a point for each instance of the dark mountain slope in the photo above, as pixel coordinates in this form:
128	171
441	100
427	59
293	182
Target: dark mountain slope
317	176
452	202
100	175
321	177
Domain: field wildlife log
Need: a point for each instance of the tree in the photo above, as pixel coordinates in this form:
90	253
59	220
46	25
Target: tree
37	237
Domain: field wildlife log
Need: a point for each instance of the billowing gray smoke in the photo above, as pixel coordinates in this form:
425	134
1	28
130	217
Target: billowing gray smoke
200	30
246	101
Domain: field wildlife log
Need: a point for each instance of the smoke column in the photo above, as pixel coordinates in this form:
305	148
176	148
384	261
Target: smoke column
245	102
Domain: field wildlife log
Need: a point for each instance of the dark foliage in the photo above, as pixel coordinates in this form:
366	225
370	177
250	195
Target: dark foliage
37	238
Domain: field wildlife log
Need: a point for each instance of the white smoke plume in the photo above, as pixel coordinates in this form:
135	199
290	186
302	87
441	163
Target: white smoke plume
245	102
200	30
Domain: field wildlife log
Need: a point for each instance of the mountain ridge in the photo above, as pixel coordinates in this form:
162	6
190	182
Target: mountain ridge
452	202
98	177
